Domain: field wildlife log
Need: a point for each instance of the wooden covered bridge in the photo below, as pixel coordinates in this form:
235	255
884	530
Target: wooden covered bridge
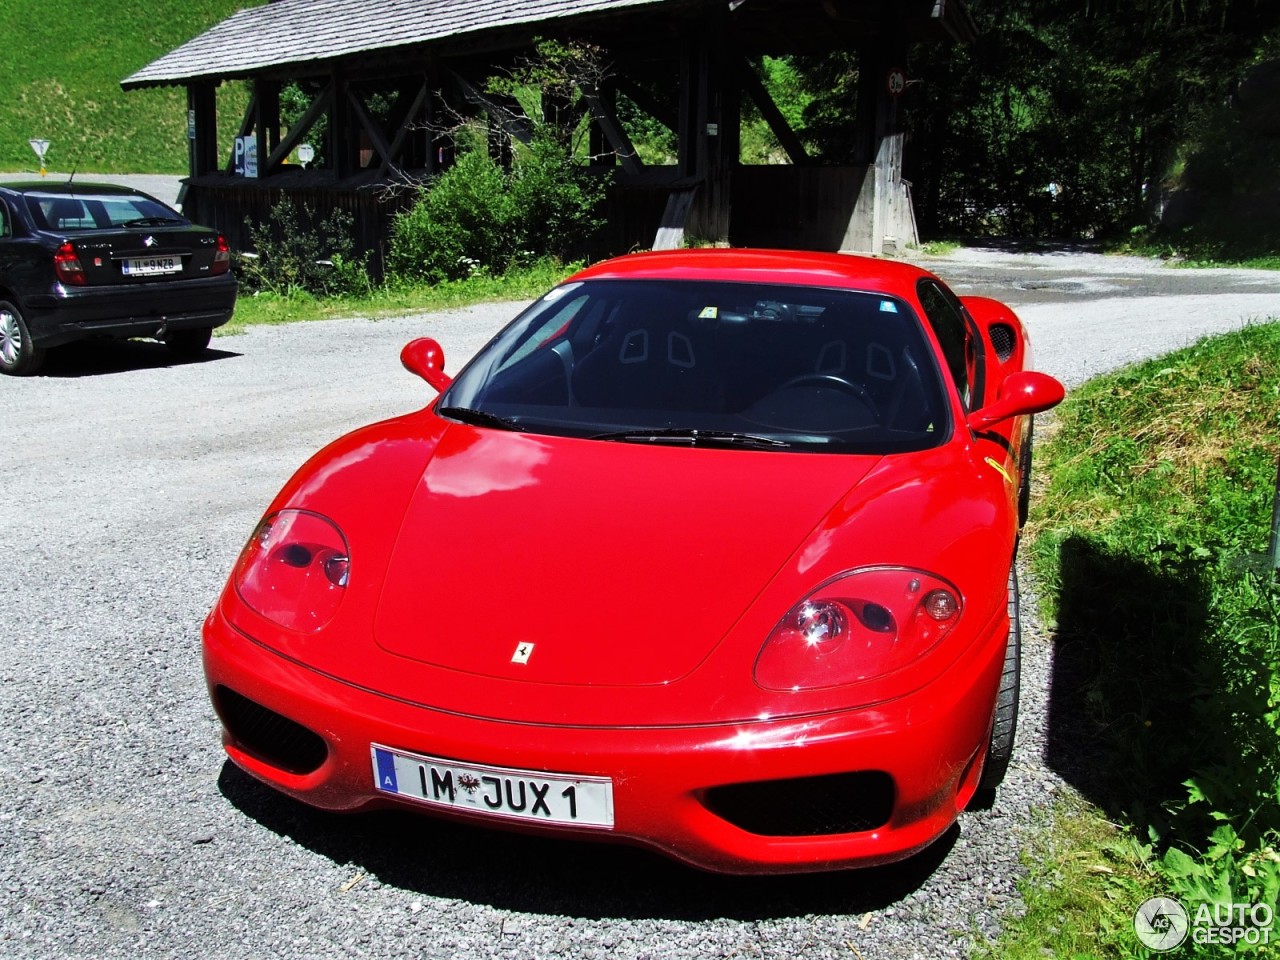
381	75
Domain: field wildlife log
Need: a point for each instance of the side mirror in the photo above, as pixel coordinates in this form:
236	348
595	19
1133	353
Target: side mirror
424	358
1022	393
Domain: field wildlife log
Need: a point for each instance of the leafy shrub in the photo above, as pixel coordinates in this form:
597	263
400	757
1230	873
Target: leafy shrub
478	217
297	251
461	218
555	200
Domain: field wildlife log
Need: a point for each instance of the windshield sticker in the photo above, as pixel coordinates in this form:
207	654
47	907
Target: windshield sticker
888	306
709	313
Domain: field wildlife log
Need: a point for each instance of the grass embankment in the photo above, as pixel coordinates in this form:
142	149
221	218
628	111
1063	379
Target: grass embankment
396	299
1149	541
61	82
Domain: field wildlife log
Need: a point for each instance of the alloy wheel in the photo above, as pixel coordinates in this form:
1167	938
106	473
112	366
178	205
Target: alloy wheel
10	338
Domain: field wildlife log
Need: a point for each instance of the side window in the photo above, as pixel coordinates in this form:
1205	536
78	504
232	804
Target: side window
5	229
949	327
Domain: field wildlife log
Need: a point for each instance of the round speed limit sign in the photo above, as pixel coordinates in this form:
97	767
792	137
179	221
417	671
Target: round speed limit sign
896	81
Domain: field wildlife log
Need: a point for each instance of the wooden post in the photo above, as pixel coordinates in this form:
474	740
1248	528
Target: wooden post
342	149
687	119
202	107
267	123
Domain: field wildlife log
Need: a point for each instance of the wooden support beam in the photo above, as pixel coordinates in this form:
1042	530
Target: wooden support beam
404	125
665	111
687	120
606	118
342	151
675	215
510	119
202	128
720	135
754	87
267	124
376	138
298	132
866	108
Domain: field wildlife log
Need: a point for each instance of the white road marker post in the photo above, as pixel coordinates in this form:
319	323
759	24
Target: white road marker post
39	146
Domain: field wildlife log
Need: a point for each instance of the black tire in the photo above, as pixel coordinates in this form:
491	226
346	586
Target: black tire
1000	746
188	343
19	354
1024	485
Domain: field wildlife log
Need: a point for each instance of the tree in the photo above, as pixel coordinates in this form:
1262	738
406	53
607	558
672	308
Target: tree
1067	118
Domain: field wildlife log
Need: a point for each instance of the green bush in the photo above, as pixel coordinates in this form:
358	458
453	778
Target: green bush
296	251
478	217
556	201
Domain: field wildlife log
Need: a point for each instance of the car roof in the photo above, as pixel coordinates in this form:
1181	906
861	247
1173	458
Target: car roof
68	187
793	267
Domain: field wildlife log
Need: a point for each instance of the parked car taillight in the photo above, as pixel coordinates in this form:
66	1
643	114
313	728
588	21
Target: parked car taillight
222	258
66	264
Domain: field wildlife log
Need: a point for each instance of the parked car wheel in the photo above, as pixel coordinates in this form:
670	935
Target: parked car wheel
19	354
1024	487
188	343
1000	747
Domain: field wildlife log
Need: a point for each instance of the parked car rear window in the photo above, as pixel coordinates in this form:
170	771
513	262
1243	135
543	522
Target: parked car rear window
70	212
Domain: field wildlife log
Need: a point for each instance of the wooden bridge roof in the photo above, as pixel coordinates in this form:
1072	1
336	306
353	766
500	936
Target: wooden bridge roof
293	34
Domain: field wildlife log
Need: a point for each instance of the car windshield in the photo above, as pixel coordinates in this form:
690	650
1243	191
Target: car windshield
65	212
719	364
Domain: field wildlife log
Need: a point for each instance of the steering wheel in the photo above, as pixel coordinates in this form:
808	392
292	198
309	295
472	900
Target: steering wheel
831	380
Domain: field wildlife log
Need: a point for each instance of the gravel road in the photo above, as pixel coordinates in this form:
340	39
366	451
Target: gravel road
127	485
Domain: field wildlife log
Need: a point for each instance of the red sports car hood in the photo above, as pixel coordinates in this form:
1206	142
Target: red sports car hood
587	562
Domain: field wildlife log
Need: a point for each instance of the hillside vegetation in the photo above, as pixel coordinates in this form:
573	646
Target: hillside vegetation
61	80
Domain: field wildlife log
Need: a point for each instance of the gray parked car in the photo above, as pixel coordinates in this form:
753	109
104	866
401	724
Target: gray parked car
85	260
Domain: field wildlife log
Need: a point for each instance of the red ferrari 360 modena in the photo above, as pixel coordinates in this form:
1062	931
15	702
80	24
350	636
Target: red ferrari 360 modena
710	551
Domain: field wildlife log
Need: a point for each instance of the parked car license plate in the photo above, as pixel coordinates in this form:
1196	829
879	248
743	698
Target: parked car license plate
495	791
137	267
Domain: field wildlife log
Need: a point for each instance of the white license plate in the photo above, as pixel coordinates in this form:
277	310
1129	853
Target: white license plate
149	265
528	795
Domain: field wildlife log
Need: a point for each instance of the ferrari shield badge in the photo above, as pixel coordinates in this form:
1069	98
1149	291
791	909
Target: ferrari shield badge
523	652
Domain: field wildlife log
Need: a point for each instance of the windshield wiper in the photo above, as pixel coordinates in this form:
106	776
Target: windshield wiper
695	437
479	418
151	222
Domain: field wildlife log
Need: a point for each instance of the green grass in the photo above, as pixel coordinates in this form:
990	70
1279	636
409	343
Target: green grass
61	82
1085	876
1249	263
397	299
940	248
1201	248
1148	539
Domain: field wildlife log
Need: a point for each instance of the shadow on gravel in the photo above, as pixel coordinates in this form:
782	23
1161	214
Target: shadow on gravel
98	358
568	878
1129	669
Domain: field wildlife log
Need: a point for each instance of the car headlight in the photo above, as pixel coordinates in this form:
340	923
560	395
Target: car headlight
862	624
294	570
